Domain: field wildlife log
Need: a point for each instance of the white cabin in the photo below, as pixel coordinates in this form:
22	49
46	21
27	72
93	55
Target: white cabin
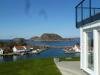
1	51
19	49
76	48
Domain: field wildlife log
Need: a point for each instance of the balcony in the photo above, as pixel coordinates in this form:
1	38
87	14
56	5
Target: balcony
87	11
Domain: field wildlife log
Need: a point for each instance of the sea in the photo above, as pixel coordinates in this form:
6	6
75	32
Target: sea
49	53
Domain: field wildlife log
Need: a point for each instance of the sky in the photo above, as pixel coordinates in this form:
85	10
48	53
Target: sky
28	18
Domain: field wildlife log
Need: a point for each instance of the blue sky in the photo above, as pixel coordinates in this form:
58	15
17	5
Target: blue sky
19	18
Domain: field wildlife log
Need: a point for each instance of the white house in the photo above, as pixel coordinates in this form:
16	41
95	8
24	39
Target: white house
89	36
1	51
19	49
76	48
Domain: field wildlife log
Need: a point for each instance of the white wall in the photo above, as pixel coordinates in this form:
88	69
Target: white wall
81	49
99	53
14	49
83	43
1	51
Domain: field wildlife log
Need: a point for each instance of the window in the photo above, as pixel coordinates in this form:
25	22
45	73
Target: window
90	50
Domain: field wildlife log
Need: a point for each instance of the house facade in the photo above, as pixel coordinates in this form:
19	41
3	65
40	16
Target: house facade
76	48
19	49
89	36
1	51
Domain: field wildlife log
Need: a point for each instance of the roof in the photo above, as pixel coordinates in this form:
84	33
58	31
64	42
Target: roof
29	47
20	47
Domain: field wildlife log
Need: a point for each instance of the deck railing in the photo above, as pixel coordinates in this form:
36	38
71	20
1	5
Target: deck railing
85	10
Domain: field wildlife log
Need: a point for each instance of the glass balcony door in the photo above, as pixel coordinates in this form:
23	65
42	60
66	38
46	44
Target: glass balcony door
90	56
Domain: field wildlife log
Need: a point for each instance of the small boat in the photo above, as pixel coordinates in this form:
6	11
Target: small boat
22	53
34	51
69	51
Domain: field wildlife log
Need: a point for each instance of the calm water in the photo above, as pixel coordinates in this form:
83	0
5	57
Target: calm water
47	53
54	43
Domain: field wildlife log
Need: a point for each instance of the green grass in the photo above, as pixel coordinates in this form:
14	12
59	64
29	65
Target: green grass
69	59
30	67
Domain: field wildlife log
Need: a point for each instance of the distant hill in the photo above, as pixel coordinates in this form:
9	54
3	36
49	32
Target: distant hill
36	38
51	37
19	41
47	37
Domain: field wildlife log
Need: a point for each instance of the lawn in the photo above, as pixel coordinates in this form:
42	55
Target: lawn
69	59
42	66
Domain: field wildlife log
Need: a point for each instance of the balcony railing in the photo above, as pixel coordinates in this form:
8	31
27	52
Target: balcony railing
86	12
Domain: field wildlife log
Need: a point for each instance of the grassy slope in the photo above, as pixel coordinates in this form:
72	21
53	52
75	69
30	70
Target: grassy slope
29	67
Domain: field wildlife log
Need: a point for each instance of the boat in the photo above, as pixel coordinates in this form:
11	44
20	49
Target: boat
35	51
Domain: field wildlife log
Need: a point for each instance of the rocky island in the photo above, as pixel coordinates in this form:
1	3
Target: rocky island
51	37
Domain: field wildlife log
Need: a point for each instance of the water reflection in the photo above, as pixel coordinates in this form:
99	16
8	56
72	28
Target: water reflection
8	58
